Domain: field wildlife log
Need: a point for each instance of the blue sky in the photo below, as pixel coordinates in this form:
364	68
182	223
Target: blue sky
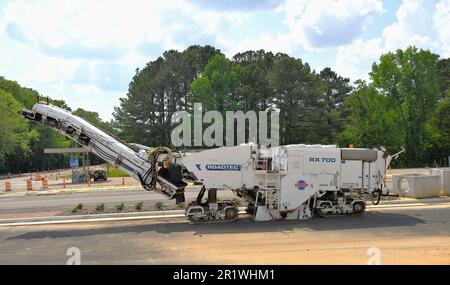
86	52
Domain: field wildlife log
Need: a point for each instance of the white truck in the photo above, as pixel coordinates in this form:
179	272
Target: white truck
284	182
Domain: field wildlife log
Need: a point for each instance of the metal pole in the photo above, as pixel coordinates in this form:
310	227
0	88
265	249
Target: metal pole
83	156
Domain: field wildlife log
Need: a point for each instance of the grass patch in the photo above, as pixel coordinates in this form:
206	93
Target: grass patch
159	205
139	205
120	206
100	207
77	208
115	172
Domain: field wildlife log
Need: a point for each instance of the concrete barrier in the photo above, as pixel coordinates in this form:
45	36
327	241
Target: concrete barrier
444	174
417	185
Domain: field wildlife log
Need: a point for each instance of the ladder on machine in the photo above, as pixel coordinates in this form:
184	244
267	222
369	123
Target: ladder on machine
270	191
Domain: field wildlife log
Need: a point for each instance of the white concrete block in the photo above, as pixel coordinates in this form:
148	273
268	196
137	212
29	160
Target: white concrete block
417	185
444	174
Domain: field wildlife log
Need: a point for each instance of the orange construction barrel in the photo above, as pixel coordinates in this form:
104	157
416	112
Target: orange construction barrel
45	183
29	185
7	185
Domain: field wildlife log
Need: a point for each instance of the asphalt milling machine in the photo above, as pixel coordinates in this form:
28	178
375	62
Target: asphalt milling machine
281	182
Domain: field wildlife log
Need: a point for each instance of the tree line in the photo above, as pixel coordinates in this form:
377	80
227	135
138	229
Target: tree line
406	103
22	143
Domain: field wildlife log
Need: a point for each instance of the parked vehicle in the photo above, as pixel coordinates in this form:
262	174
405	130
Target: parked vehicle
99	174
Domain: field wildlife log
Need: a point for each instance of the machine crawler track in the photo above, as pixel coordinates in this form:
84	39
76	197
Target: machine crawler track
211	217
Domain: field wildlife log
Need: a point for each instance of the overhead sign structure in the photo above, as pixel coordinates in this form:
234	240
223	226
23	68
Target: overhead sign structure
66	150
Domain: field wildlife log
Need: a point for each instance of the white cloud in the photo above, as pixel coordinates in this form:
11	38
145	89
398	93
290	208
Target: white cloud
413	25
312	25
441	24
68	48
329	23
422	23
354	60
85	52
91	25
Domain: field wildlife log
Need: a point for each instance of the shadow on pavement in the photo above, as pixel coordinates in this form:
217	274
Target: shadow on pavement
370	220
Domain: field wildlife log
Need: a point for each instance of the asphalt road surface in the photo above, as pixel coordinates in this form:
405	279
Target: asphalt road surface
394	235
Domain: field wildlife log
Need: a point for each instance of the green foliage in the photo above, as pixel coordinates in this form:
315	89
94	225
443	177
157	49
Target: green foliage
444	76
394	110
25	96
115	172
15	135
156	92
403	105
120	206
159	205
139	205
373	120
30	155
439	131
77	208
409	78
22	143
299	98
100	207
217	87
335	90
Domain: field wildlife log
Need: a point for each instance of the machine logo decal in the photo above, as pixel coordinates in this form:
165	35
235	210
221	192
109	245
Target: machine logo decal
301	184
322	159
226	167
198	166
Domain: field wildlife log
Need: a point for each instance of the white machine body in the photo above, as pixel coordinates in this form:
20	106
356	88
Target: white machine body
283	182
290	177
